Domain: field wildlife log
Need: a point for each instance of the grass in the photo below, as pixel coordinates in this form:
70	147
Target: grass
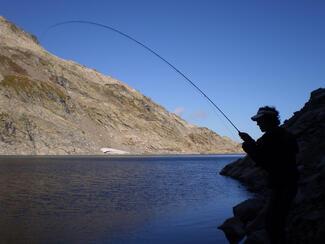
23	85
11	65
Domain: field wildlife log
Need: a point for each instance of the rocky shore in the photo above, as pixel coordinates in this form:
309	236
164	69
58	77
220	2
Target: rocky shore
306	220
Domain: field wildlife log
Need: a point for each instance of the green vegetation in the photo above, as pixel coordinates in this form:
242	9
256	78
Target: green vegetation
11	65
23	85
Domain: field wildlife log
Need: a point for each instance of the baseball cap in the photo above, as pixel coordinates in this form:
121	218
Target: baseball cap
262	112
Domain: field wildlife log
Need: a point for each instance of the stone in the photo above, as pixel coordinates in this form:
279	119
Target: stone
233	229
248	209
258	237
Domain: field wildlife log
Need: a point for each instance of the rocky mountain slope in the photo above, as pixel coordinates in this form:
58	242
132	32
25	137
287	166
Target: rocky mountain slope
307	217
52	106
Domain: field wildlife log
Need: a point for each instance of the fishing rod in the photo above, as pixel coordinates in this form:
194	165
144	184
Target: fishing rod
150	50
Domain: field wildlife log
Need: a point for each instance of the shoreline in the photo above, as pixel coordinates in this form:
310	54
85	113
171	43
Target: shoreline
125	156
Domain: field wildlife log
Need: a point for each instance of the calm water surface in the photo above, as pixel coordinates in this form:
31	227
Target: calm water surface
174	199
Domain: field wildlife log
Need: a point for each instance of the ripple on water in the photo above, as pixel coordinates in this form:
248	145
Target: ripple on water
120	200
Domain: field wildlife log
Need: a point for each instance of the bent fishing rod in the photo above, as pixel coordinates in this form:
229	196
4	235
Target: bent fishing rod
150	50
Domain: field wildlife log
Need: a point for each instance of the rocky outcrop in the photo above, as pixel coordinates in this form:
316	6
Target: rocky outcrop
306	220
52	106
234	229
240	226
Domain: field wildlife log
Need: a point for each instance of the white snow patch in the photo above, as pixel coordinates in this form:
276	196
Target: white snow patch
108	150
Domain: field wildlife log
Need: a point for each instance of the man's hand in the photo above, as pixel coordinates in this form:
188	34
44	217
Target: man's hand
249	144
245	137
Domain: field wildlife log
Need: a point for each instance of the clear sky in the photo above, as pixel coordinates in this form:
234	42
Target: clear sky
243	54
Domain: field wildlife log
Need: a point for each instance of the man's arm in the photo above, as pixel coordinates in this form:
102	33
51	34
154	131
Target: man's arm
250	147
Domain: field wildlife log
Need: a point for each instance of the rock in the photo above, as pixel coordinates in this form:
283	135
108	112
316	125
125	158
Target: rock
314	216
233	229
245	171
258	237
248	209
62	81
321	164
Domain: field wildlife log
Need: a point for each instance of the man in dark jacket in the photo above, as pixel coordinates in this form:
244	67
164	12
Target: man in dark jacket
275	152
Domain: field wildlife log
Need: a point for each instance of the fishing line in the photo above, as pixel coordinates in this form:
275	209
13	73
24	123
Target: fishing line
150	50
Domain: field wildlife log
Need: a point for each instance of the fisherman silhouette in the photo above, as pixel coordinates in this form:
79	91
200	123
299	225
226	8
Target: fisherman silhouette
275	152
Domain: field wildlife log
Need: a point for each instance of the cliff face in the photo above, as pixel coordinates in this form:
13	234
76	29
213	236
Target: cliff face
307	218
53	106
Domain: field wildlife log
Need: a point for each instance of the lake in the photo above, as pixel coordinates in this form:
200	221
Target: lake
124	199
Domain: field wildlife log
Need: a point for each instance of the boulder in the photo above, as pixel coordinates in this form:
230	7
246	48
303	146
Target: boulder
233	229
248	209
258	237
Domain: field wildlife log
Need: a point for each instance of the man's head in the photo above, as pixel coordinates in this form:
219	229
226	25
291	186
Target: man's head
267	118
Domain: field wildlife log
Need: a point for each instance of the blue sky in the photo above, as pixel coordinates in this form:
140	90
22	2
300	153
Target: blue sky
243	54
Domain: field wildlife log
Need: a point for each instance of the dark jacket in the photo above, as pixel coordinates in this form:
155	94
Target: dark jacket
275	152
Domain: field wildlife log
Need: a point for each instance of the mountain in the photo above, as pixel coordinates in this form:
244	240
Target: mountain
306	219
53	106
